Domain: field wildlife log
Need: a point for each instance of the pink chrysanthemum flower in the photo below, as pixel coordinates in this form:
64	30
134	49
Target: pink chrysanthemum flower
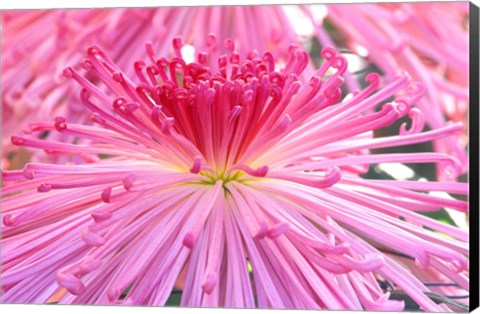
37	44
237	184
409	37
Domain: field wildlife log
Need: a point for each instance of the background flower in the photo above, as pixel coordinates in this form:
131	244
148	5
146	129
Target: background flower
409	37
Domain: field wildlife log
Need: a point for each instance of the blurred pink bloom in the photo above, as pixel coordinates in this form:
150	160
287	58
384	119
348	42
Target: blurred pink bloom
37	44
430	41
207	171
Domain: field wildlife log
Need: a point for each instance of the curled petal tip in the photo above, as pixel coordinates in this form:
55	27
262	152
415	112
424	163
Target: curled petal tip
44	187
262	230
28	173
210	282
99	216
197	164
167	126
370	263
373	78
177	42
422	260
70	282
402	106
106	193
8	220
85	95
229	44
418	122
113	294
60	123
341	64
189	240
259	172
211	39
458	265
128	181
118	77
17	140
416	90
86	64
68	72
328	53
278	230
90	265
452	167
93	49
95	117
92	238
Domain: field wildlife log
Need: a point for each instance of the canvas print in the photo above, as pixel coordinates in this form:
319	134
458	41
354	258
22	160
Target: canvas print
308	156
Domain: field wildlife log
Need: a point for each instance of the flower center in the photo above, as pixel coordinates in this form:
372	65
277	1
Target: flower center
212	177
239	172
